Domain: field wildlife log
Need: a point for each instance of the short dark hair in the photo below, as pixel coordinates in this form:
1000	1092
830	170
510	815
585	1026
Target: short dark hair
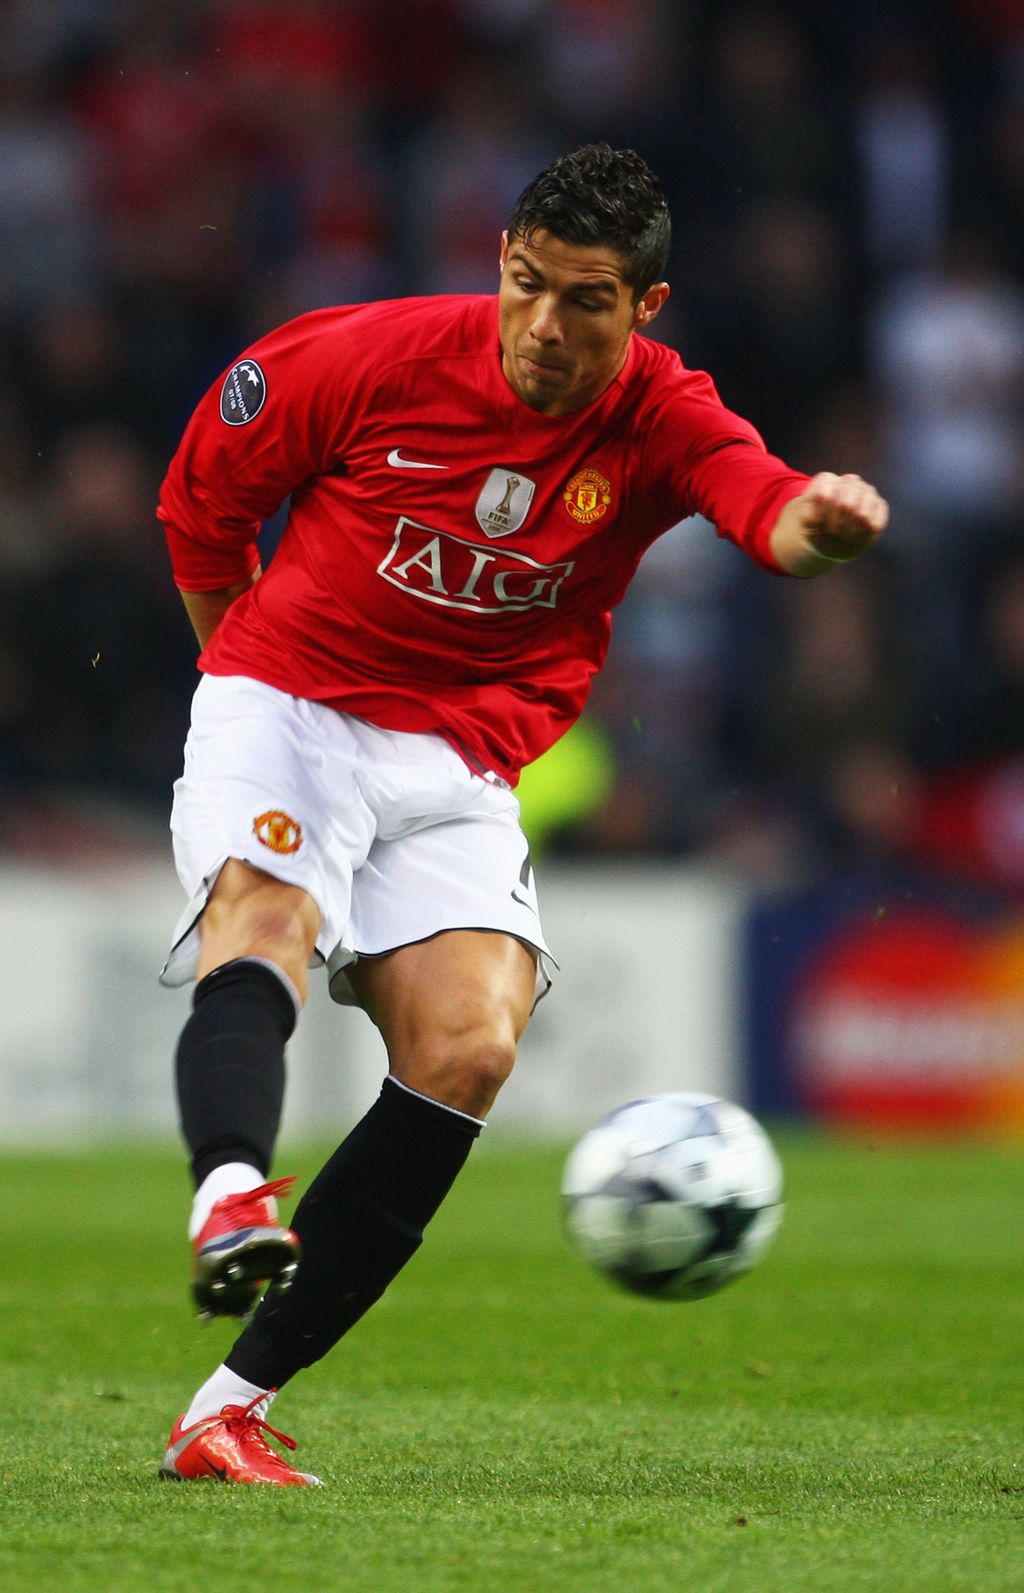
600	195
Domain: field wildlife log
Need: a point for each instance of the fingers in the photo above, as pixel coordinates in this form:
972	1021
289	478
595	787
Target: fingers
846	504
835	519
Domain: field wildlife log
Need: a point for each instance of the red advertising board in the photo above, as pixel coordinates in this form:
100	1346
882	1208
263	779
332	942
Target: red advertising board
918	1019
905	1017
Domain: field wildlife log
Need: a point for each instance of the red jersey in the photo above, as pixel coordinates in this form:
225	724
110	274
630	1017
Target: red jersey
451	557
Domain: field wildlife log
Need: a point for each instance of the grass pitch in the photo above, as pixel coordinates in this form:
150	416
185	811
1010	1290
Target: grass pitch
848	1417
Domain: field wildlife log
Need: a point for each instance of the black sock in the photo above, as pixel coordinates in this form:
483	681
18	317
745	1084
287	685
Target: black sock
230	1066
360	1221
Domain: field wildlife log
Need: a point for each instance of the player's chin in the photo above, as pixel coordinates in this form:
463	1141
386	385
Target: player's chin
544	390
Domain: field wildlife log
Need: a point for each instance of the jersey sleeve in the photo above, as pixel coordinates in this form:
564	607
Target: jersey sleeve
282	413
704	459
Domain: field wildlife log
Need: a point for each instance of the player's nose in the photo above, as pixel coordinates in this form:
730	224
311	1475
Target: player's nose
546	325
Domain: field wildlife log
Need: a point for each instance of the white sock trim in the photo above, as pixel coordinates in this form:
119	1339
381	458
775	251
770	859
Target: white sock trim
225	1388
276	969
230	1178
466	1116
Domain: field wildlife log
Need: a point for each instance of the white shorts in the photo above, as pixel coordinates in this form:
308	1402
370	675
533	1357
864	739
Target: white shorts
390	833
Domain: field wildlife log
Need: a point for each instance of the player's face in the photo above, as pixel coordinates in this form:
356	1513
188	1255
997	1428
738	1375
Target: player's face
565	317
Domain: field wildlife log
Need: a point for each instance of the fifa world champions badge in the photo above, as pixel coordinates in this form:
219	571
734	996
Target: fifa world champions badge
504	502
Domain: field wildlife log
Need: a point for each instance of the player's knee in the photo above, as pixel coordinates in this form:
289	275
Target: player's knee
266	926
487	1065
279	935
275	924
465	1071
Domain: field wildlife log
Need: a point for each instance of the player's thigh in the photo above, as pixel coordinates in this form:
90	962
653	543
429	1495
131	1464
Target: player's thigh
467	871
253	914
451	1010
269	826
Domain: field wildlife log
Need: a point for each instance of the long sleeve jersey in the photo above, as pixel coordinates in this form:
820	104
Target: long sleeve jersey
451	557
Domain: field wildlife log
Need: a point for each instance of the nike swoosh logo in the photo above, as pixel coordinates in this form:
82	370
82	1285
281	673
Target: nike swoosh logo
397	462
522	901
220	1472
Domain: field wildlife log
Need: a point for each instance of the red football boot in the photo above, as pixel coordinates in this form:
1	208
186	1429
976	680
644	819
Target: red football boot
241	1248
231	1448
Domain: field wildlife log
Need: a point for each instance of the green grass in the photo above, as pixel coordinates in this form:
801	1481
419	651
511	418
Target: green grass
848	1417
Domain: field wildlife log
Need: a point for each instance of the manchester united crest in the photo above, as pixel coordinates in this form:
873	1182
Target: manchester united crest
588	495
277	831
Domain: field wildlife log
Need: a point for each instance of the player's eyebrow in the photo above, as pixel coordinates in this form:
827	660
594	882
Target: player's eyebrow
596	284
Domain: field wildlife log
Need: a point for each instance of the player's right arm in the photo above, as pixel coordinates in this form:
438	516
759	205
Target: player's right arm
206	609
232	472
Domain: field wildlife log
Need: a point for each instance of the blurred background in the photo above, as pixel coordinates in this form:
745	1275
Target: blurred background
784	850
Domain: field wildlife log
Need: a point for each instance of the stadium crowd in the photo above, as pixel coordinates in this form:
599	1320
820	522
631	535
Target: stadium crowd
847	186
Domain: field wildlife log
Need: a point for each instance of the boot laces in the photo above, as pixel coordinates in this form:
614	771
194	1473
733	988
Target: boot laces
248	1423
277	1186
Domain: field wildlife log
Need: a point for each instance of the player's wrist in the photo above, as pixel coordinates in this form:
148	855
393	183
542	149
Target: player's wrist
833	551
834	558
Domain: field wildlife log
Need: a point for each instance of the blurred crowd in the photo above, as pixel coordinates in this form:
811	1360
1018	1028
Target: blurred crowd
847	186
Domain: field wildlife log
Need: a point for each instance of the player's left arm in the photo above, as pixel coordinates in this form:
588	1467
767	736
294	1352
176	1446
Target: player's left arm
833	521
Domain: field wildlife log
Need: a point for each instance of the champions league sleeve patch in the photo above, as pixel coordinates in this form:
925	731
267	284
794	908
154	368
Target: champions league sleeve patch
244	393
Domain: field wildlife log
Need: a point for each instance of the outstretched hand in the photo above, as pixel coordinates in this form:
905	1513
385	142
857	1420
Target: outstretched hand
835	519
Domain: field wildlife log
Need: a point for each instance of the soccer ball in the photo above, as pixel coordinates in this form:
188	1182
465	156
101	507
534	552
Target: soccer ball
673	1196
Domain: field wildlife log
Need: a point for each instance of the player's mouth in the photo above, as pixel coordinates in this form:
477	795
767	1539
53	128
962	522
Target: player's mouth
541	368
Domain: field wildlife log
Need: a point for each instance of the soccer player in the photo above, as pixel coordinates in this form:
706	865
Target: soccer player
472	483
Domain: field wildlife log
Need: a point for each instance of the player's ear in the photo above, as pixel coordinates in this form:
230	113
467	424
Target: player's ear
650	303
503	256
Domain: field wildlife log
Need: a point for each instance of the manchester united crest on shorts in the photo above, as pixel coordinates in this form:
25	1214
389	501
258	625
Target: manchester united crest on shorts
588	495
504	503
277	831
